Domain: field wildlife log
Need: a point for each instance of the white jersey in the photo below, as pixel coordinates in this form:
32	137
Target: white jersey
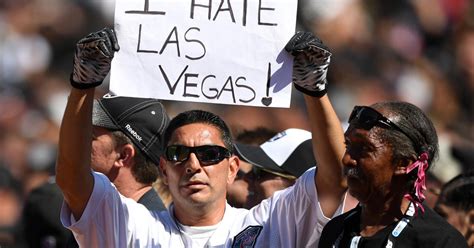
290	218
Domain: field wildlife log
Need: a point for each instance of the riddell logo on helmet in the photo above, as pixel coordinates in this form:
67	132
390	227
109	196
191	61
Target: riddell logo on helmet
132	132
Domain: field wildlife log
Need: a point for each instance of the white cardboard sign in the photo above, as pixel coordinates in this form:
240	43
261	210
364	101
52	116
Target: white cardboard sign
214	51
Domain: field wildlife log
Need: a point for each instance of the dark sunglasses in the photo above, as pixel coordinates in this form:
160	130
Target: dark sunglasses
207	155
367	117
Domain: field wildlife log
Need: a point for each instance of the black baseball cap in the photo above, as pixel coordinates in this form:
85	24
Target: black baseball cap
288	152
143	120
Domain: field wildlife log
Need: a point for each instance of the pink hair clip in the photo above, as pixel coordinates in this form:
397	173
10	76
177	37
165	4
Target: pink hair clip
420	186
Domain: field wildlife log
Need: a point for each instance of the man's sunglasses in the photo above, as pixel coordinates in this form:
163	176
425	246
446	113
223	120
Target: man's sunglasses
367	117
207	155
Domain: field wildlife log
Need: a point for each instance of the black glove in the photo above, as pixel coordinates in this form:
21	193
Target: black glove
93	58
311	63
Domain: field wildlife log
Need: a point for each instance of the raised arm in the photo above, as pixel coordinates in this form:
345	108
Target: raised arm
92	61
328	145
311	62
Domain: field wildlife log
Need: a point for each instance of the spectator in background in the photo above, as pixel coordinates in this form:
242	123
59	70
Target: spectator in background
389	147
130	165
238	192
42	225
456	204
116	155
275	164
126	145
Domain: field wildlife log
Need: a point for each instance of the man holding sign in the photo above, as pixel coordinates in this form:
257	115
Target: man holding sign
198	165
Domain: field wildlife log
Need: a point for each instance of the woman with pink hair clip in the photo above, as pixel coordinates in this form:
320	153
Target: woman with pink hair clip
389	147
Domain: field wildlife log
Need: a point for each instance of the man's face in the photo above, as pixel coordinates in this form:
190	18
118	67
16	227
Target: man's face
191	183
103	154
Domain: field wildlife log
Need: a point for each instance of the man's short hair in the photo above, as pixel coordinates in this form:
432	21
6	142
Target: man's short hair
200	116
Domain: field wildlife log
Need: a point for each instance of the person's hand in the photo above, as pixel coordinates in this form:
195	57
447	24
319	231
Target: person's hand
310	64
93	58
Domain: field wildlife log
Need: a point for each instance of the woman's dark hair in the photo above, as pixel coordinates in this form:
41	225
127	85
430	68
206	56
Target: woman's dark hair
418	136
458	193
421	134
200	116
145	170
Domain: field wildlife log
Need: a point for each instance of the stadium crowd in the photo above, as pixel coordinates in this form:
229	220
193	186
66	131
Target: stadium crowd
418	51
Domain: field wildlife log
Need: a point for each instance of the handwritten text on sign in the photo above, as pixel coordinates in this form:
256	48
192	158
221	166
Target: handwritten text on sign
216	51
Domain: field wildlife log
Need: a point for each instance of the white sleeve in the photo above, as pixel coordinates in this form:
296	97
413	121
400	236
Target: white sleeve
293	217
105	219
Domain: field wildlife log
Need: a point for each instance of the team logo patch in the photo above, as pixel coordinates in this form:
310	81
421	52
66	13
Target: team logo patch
247	238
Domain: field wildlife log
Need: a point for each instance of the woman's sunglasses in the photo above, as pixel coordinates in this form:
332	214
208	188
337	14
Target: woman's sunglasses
207	155
367	117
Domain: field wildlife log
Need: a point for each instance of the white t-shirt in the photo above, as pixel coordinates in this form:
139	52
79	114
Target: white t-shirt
290	218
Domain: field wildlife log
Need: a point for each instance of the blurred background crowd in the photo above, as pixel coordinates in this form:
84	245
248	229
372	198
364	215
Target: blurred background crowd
420	51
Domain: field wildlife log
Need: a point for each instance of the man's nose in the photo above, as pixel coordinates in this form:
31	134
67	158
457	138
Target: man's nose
348	161
192	164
